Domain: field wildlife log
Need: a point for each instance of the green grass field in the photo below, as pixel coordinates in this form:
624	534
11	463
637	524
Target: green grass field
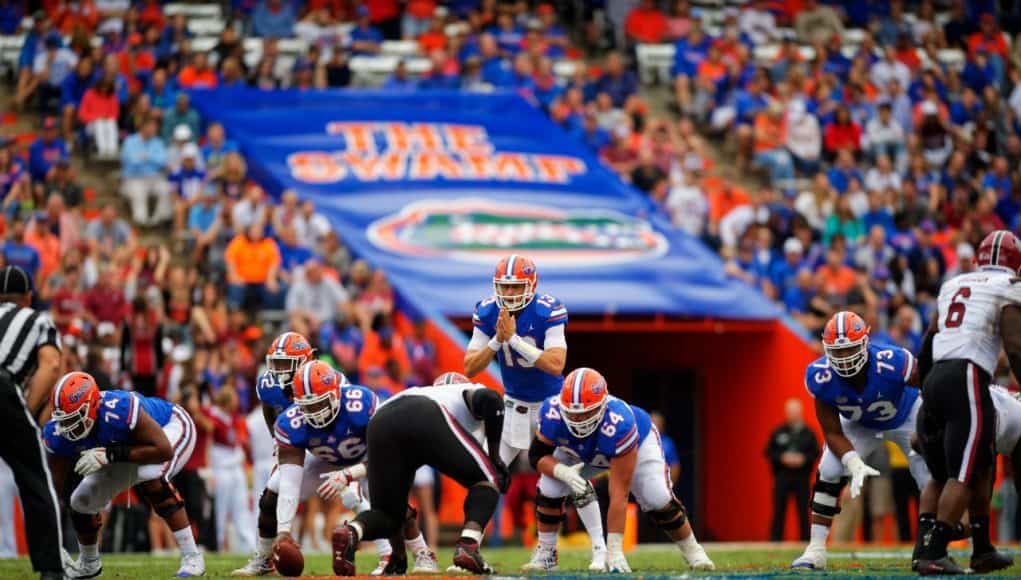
732	560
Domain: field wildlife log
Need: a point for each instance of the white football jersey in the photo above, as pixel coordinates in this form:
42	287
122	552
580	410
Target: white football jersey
969	316
1008	419
452	399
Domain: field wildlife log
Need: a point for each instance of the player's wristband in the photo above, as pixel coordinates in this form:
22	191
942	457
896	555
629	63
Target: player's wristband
118	453
495	345
527	351
356	472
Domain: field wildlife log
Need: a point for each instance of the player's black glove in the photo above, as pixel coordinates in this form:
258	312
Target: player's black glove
502	474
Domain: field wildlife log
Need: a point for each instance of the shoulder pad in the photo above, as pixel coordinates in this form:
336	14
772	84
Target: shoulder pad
817	375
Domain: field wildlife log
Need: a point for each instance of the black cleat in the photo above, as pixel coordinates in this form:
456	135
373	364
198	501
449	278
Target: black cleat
345	542
960	532
945	566
397	566
468	558
991	562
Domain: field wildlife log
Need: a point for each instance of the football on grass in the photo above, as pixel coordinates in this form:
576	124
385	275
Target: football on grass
287	559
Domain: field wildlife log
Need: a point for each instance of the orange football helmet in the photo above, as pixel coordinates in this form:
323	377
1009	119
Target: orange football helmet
583	401
514	282
286	354
76	402
451	378
317	393
845	340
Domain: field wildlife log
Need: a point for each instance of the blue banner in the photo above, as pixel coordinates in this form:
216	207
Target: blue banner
435	187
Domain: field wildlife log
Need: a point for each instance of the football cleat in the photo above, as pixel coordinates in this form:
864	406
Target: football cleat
83	568
598	560
345	543
990	562
192	565
426	562
546	559
391	565
813	559
697	559
945	566
468	559
259	565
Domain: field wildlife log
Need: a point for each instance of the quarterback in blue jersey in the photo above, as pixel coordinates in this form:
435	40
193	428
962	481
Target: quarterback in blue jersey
525	333
864	394
116	440
582	432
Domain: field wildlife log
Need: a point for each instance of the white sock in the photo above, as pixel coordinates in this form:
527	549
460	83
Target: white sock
475	535
548	539
819	535
593	523
186	541
383	547
357	526
265	546
417	544
89	551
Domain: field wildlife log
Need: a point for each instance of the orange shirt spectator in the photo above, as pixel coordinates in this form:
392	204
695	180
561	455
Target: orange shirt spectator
725	199
770	131
380	10
48	245
150	15
98	106
252	260
381	347
65	16
432	40
710	71
135	61
988	37
197	76
421	9
835	280
646	23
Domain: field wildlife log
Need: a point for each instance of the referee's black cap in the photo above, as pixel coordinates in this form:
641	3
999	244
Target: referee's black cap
14	280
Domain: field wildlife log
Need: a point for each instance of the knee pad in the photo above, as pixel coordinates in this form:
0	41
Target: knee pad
549	504
85	524
669	517
481	503
161	496
826	497
268	514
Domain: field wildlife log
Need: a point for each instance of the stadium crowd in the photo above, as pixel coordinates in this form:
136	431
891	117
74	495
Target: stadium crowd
870	169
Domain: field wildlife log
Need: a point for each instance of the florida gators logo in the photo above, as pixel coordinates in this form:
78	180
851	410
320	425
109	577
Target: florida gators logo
480	230
76	395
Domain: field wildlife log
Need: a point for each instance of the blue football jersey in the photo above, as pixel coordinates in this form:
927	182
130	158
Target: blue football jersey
886	401
342	443
520	379
624	427
117	417
272	393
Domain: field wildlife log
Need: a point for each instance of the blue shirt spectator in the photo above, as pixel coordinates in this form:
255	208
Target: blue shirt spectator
508	35
35	43
143	154
45	151
186	183
17	253
748	102
10	16
365	38
617	82
274	19
202	216
689	52
74	86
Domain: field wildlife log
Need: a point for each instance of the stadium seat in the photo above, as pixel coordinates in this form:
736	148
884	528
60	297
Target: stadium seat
654	62
951	57
206	26
565	68
194	10
204	43
399	48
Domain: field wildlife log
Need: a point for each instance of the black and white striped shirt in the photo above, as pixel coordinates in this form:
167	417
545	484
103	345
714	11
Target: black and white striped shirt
22	332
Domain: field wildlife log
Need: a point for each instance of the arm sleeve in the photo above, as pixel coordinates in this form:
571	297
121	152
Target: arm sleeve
555	337
288	500
480	339
487	405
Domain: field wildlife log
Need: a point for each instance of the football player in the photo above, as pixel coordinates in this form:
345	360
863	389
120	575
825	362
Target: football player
525	333
865	394
585	431
444	426
118	440
322	431
978	312
284	357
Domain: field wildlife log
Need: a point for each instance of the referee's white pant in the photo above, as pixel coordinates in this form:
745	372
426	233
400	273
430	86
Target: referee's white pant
8	495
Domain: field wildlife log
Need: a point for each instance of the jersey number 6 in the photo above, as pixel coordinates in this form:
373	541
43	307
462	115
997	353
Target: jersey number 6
955	312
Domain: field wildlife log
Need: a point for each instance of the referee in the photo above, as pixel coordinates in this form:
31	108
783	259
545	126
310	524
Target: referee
29	367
